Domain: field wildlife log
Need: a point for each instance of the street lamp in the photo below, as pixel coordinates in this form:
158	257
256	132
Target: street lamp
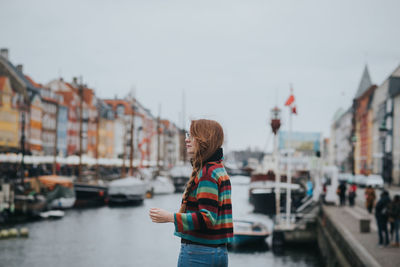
275	120
383	132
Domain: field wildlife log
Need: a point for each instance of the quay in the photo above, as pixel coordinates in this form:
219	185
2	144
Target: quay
342	243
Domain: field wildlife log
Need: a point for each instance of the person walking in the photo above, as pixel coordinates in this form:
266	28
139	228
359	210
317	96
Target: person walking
352	194
394	219
381	215
204	221
370	198
342	193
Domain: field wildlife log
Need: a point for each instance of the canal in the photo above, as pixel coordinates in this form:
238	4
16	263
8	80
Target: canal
127	237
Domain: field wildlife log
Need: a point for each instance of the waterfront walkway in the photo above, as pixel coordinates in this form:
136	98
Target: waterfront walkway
365	245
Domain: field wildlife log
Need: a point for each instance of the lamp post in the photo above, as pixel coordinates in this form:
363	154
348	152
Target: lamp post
275	125
354	143
383	132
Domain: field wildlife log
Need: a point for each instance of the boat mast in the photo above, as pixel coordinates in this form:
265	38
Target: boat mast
131	137
289	168
158	139
80	90
56	140
98	117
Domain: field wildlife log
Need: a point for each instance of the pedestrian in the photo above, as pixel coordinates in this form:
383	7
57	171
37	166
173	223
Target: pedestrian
204	221
370	198
342	193
394	219
381	215
352	194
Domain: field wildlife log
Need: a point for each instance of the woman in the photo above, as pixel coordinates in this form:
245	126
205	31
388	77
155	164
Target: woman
369	198
352	194
204	221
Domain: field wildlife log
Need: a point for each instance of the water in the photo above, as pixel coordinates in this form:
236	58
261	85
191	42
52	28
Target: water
127	237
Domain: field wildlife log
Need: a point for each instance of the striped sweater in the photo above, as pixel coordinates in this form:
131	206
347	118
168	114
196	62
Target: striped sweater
208	219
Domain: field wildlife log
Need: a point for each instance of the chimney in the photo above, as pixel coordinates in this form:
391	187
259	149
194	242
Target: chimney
20	68
75	80
4	53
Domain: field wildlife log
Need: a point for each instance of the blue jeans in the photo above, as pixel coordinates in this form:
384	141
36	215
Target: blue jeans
196	255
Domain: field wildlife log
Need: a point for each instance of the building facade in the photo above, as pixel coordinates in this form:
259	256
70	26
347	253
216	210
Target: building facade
9	118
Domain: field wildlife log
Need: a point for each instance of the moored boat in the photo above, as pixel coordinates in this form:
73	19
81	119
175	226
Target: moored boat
262	196
90	195
249	232
60	191
161	185
126	191
180	175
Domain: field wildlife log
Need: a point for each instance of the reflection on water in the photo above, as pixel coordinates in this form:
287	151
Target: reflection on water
126	237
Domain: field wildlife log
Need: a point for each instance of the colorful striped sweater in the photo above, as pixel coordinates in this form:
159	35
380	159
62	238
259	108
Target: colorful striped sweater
208	219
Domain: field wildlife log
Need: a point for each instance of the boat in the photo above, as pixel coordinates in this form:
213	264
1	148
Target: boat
29	206
60	191
180	175
52	214
126	191
262	196
161	185
249	232
90	195
240	179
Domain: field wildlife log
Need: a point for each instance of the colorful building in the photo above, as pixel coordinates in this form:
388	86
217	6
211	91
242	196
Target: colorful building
362	130
62	129
71	100
50	102
90	122
9	118
124	113
105	130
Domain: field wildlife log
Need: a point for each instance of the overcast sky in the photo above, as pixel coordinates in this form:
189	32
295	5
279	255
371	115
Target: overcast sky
234	59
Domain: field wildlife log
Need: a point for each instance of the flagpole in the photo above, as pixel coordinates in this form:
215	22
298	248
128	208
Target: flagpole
289	168
289	171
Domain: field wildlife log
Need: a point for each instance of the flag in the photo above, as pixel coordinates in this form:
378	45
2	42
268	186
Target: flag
290	100
294	110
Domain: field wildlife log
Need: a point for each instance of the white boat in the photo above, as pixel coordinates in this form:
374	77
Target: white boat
180	175
52	214
162	185
63	203
126	191
240	179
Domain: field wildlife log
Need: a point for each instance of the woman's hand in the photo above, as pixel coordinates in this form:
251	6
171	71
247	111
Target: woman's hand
161	216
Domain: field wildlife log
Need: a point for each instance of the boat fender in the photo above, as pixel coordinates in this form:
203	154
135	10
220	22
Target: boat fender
4	234
24	232
13	232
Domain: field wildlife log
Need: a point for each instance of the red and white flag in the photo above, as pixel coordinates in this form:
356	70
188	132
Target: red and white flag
291	102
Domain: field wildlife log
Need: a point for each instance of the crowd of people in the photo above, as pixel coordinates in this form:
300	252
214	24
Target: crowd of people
387	211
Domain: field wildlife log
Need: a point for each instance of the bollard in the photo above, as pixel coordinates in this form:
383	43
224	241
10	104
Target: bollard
24	232
4	234
364	225
13	232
